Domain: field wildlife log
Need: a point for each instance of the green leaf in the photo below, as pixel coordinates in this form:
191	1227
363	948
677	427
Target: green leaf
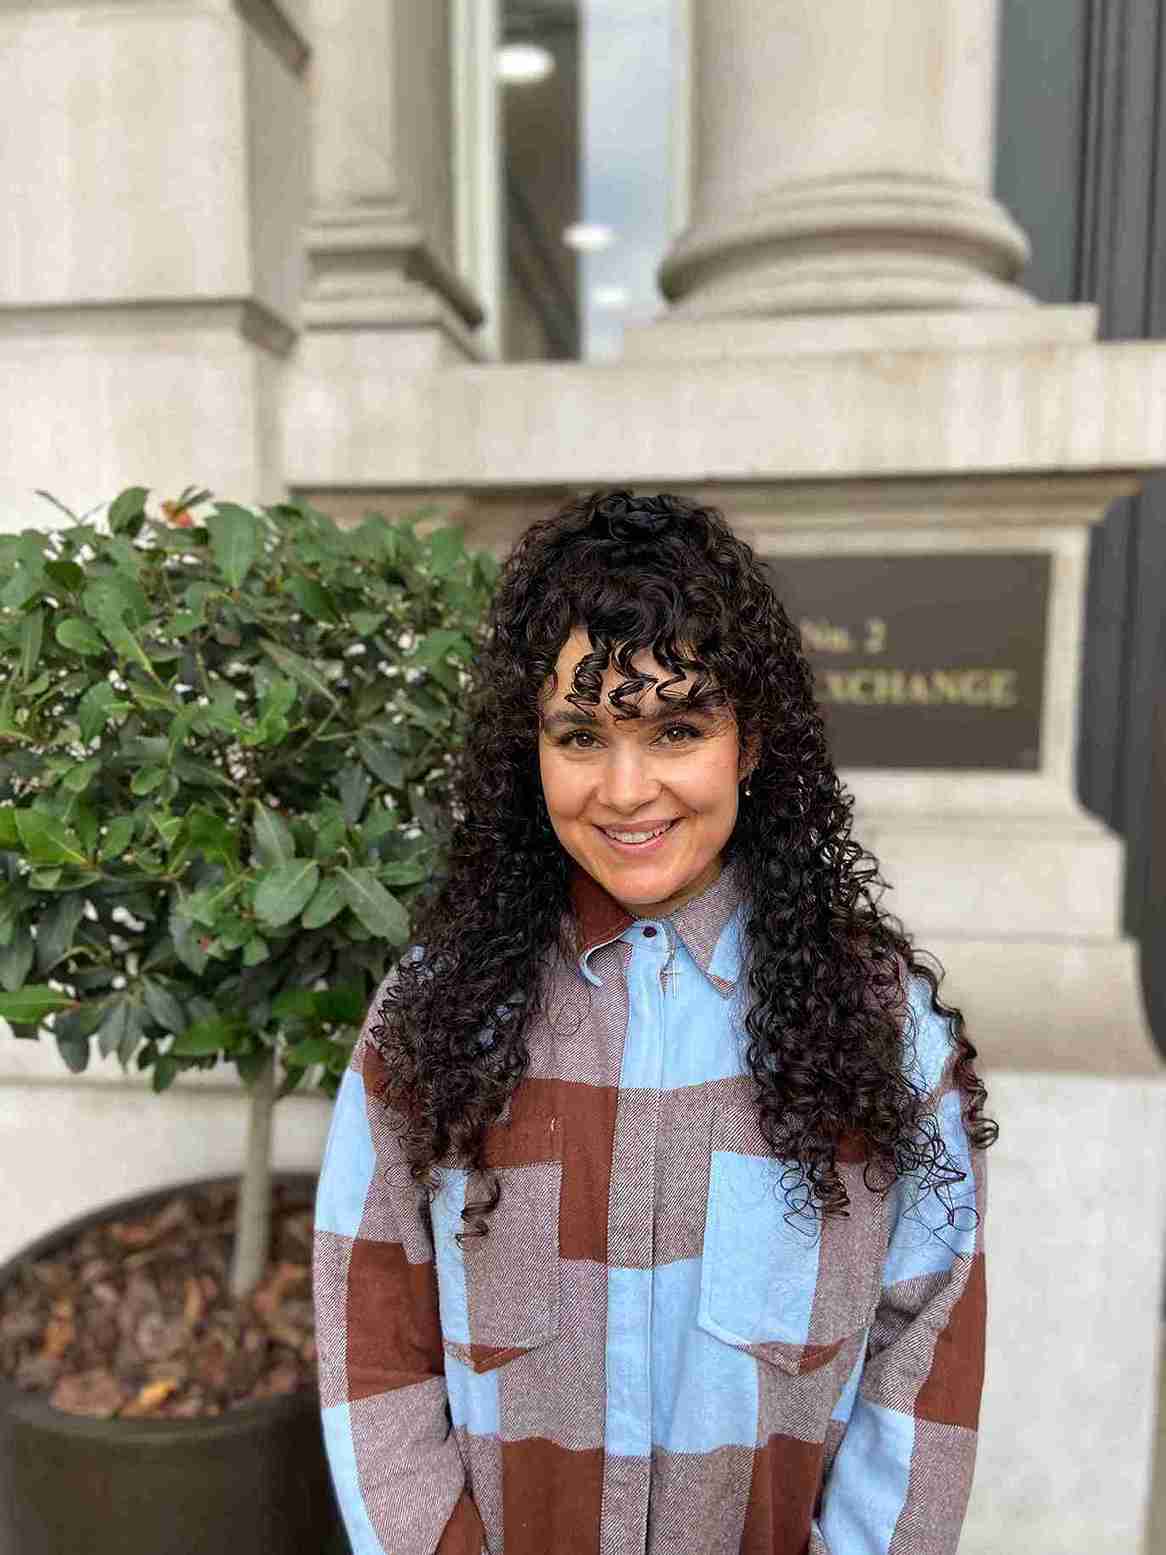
278	697
403	872
367	622
98	705
187	940
115	1027
354	788
156	701
210	835
382	821
343	1005
233	931
299	669
274	843
127	506
284	892
328	900
180	726
146	781
293	1002
80	637
31	638
168	827
446	548
30	1005
25	583
214	1034
8	724
9	832
163	1006
330	837
79	776
314	1050
313	599
117	839
56	931
434	646
47	840
166	1071
115	595
236	539
255	950
252	1065
75	1052
86	823
15	961
66	574
381	761
191	770
380	912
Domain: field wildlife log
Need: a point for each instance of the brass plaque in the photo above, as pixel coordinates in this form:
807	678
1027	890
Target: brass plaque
924	661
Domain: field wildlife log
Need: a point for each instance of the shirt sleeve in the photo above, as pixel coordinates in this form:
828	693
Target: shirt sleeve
395	1464
900	1481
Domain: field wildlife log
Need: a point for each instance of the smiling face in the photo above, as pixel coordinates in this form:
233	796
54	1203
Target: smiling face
671	765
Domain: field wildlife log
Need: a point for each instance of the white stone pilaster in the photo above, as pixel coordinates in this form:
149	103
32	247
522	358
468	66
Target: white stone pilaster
382	234
155	180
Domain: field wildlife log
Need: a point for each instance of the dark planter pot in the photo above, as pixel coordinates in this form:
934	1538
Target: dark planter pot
251	1482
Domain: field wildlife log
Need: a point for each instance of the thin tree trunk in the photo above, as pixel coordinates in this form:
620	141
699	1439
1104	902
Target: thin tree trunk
253	1216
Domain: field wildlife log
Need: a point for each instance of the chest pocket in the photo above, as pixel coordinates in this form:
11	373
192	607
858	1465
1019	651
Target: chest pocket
499	1294
789	1288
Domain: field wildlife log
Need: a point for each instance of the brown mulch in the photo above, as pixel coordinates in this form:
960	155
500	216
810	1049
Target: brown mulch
133	1319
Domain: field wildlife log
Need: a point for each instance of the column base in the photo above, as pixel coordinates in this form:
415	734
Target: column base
376	269
860	244
678	338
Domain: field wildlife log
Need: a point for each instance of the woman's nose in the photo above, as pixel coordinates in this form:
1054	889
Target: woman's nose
627	782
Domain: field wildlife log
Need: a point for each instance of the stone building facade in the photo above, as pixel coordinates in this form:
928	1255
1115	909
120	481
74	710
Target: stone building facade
258	246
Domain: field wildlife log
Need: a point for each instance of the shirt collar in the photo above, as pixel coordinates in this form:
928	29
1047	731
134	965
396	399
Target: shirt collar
699	924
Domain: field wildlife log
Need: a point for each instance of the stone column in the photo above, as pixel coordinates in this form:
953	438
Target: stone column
842	161
381	235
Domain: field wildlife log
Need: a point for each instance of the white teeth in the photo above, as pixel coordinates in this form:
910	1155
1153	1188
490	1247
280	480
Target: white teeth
636	836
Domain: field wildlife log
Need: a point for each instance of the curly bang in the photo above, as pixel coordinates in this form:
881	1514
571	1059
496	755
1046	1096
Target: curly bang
830	1032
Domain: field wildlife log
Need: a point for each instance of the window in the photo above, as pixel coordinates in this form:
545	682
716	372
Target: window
592	128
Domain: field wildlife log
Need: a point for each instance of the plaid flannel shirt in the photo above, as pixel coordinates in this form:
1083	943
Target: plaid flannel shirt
647	1353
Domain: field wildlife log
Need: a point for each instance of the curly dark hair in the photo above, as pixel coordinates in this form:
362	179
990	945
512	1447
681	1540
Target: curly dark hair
829	1044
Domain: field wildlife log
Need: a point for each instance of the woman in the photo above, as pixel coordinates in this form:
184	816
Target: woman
680	1251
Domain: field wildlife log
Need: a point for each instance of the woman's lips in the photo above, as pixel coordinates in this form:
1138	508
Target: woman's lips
640	848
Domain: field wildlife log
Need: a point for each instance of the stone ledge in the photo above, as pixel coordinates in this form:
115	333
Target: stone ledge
353	419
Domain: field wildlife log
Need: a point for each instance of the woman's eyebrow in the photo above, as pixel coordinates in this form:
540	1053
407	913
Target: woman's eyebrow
574	716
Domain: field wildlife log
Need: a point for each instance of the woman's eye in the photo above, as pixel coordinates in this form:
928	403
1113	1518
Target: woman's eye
686	730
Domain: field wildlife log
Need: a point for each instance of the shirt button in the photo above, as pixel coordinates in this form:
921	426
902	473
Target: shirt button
649	933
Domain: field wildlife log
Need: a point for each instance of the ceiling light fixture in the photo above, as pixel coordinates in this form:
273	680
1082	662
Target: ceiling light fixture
523	64
588	236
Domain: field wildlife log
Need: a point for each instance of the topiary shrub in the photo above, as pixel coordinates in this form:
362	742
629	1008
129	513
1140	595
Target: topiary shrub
226	737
